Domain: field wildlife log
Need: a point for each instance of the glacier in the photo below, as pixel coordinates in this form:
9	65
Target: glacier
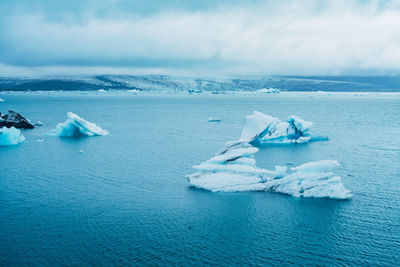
75	126
234	168
10	136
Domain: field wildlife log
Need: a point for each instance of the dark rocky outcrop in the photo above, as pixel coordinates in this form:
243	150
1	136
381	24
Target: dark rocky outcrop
15	119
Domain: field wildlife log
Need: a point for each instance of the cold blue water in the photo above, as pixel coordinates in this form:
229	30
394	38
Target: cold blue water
122	199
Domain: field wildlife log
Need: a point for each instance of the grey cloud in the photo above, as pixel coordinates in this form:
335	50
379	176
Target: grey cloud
295	37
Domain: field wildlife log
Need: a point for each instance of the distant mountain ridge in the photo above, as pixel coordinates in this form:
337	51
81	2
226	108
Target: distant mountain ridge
177	84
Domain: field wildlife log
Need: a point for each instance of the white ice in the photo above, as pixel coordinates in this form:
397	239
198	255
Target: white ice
269	91
234	168
76	126
10	136
212	119
134	91
264	129
313	179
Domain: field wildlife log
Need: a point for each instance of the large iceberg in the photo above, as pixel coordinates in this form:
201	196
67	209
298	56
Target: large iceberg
76	126
262	129
234	168
10	136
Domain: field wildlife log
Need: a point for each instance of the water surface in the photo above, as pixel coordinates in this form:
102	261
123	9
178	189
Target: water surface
124	198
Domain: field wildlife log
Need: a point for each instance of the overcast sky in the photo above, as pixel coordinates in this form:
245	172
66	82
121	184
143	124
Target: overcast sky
205	37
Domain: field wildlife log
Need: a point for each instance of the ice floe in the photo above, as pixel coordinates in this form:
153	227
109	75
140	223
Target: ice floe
134	91
39	123
212	119
10	136
76	126
268	91
234	168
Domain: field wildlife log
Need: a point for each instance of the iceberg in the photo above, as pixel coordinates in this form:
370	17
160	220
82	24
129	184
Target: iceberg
10	136
134	91
269	91
262	129
234	168
76	126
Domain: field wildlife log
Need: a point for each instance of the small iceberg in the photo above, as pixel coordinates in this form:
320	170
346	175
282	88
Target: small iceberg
1	99
194	91
75	126
134	91
212	119
10	136
262	129
39	123
269	91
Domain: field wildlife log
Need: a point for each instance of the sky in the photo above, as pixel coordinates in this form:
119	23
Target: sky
205	37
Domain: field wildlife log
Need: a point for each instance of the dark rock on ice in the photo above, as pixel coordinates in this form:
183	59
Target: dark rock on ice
15	119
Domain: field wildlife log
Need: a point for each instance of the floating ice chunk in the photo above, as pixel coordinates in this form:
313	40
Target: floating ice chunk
1	99
233	169
312	179
10	136
76	126
39	123
264	129
269	91
134	91
236	170
211	119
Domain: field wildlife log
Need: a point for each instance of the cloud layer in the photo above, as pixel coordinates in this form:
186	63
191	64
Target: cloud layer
226	38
